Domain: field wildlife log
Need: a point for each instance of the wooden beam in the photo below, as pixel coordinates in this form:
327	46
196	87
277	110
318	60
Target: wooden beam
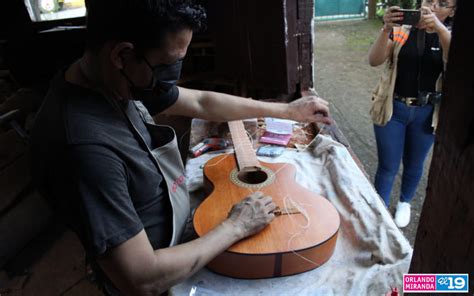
445	237
372	7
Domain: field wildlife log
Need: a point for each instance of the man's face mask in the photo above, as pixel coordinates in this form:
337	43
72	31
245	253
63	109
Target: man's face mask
164	77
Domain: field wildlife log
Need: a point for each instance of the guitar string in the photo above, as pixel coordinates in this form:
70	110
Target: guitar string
251	139
302	211
230	154
250	136
303	227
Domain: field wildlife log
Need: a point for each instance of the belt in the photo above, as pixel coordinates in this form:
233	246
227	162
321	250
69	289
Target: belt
409	101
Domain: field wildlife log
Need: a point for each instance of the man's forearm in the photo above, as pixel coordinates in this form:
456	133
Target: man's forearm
150	272
224	107
136	269
182	261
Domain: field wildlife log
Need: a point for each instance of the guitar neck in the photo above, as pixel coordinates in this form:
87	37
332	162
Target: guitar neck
246	158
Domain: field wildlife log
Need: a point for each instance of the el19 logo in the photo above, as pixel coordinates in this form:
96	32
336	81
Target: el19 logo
452	282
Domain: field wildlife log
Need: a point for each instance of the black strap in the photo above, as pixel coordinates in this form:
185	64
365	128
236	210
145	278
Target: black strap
420	45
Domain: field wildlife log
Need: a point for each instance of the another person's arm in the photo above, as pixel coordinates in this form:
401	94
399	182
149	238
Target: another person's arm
223	107
136	269
382	47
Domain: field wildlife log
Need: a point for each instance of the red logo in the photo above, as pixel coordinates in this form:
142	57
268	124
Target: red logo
177	182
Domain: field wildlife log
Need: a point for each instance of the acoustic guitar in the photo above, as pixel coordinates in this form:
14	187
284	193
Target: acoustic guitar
302	236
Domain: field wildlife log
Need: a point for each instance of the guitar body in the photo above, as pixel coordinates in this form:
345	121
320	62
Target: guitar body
290	244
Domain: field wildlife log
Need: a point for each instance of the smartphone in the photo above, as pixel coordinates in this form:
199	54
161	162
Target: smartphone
410	17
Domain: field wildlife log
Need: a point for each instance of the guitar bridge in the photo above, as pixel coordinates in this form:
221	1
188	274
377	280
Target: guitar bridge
285	211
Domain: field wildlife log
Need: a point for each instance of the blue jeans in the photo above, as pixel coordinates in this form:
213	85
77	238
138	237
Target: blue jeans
409	135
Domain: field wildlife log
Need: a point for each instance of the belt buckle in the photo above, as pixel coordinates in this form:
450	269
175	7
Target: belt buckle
409	101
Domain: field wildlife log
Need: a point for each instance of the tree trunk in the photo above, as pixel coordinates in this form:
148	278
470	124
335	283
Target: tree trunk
445	237
372	9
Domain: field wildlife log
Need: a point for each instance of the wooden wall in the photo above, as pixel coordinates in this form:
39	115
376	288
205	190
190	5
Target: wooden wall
445	237
265	44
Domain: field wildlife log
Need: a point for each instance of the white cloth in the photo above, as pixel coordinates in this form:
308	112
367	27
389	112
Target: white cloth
371	254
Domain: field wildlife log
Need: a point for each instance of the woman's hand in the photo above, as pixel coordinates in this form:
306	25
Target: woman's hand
390	17
429	21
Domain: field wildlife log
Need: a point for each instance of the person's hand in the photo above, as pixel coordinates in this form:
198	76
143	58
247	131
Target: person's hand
252	214
429	21
309	109
390	17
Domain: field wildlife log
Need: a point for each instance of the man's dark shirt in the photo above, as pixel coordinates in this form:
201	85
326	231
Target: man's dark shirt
97	173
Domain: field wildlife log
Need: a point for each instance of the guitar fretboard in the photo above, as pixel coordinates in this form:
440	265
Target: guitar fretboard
246	158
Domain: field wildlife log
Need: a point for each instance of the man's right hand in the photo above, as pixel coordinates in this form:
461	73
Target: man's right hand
252	214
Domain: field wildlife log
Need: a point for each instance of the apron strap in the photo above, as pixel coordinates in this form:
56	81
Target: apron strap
143	111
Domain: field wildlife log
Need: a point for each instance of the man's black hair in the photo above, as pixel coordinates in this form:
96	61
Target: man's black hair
144	23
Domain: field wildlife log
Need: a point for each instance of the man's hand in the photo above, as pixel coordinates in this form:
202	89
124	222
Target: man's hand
252	214
309	109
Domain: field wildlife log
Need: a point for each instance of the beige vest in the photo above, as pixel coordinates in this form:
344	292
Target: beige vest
382	97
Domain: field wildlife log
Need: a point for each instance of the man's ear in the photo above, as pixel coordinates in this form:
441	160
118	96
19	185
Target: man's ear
119	52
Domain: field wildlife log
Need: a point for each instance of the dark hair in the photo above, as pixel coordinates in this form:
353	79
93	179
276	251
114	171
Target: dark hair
144	23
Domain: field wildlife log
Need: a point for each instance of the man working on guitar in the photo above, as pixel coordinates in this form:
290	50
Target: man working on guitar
117	179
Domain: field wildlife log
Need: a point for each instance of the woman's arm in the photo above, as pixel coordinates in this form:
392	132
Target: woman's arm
380	50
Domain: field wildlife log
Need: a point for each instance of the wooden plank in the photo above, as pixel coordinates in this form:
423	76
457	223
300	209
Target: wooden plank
21	224
254	43
14	179
60	271
11	147
84	287
305	41
445	238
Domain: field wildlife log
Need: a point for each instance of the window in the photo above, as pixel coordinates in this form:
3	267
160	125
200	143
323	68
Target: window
51	10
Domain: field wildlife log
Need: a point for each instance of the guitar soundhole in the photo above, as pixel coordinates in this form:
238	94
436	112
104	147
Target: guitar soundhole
253	178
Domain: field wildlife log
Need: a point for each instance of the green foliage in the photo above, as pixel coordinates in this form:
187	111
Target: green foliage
407	4
380	12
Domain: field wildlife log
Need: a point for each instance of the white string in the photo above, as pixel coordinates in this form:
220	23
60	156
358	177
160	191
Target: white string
303	227
299	206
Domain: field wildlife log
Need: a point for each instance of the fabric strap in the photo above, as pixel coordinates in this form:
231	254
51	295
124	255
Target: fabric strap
420	45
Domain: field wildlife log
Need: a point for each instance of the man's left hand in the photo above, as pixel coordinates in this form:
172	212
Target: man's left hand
309	109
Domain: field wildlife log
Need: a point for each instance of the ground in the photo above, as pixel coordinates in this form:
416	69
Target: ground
343	76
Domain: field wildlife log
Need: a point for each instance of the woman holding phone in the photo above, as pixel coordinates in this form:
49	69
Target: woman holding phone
406	99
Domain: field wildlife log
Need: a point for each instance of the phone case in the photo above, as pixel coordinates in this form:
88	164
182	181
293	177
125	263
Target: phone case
410	17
